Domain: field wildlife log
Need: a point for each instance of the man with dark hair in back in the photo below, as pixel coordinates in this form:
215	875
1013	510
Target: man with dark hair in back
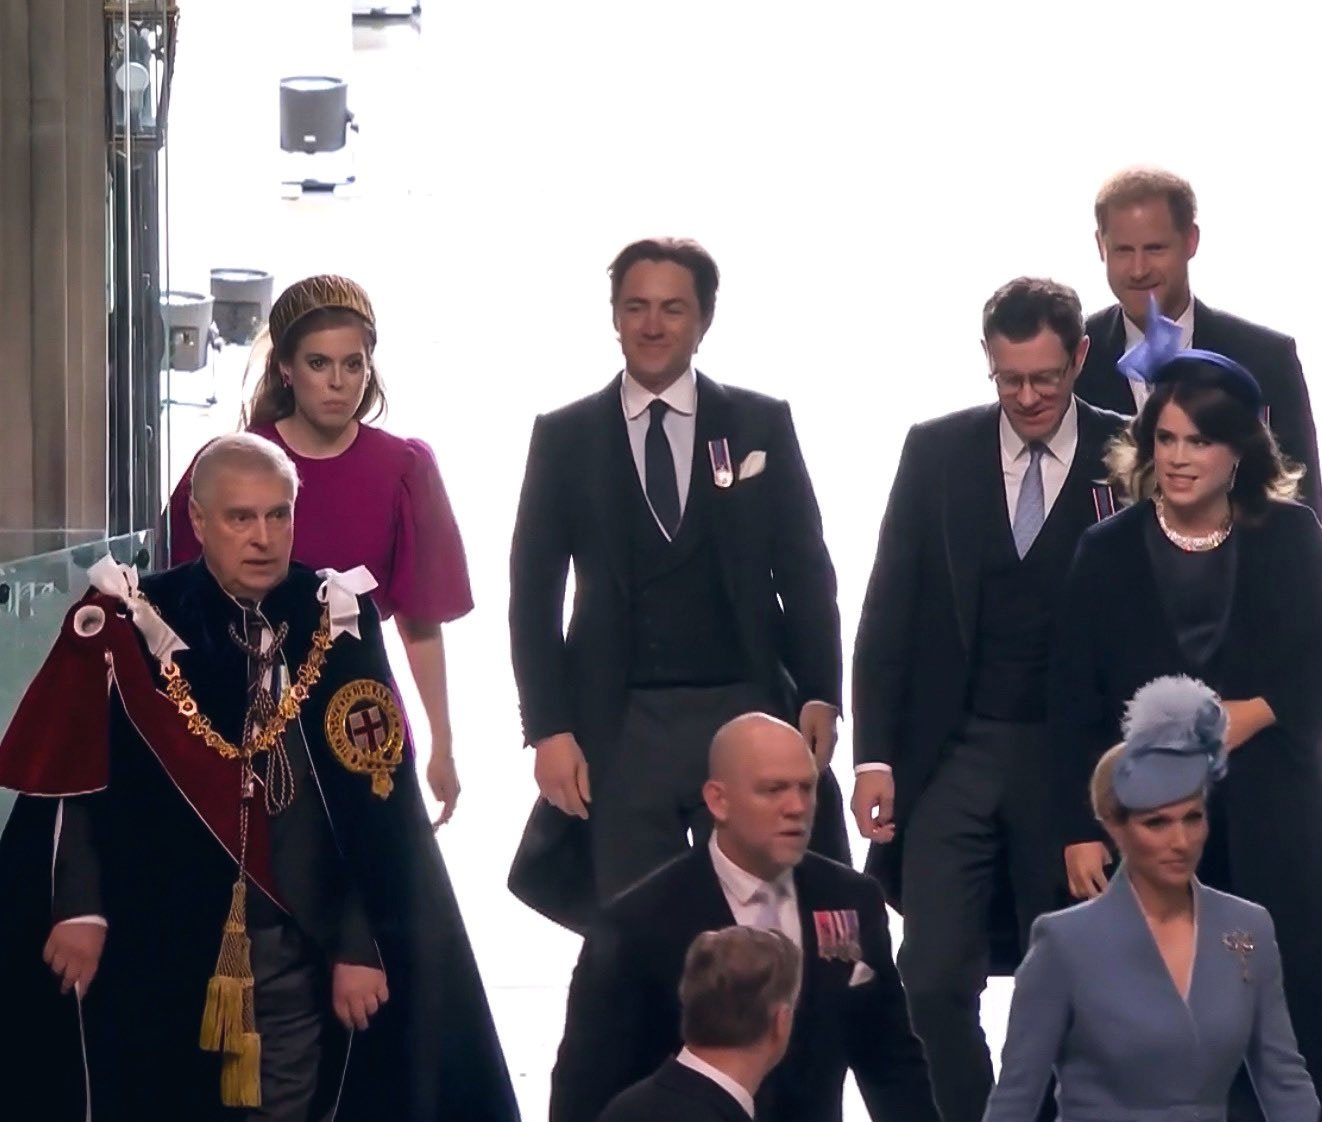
703	587
1147	233
737	998
949	685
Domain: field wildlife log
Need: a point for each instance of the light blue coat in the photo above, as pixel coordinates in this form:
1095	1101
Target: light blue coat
1094	1003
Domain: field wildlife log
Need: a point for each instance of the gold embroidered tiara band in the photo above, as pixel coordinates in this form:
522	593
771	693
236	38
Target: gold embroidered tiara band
315	293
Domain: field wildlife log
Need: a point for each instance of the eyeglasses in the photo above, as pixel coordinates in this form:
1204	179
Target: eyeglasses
1044	382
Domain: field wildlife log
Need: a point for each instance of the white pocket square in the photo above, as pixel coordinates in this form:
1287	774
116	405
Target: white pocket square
862	975
752	465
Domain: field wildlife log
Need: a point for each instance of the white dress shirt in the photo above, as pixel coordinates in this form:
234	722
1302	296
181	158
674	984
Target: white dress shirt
1134	336
732	1087
744	892
1015	457
680	425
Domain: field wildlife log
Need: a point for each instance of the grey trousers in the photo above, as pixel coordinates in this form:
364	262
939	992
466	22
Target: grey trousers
990	794
291	994
650	796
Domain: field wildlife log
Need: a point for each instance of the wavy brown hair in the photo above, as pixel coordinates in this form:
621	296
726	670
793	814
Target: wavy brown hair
1138	185
272	400
1263	476
684	252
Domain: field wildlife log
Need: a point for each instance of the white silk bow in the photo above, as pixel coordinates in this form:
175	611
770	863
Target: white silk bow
121	582
340	592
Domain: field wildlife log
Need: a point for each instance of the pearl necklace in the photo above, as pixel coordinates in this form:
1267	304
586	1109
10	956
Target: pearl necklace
1192	543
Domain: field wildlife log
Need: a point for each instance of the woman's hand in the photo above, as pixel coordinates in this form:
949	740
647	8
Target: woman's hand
443	777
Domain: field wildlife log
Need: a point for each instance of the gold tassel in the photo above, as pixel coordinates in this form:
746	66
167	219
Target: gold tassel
228	1016
222	1020
241	1073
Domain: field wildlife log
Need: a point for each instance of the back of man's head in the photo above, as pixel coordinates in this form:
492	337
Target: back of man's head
738	990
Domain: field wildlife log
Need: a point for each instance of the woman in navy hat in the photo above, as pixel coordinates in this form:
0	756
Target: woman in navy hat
1214	571
1147	1000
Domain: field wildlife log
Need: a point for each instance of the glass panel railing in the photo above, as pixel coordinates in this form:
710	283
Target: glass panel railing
36	591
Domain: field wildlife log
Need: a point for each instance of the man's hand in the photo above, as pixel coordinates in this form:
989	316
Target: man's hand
1085	866
873	805
73	952
357	992
562	774
817	723
443	778
1245	719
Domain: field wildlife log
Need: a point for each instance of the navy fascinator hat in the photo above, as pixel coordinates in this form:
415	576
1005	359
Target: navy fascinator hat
1157	358
1174	744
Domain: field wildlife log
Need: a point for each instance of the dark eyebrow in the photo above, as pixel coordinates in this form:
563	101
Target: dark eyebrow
669	301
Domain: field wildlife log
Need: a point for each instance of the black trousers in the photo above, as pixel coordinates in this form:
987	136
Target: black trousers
291	996
648	798
989	801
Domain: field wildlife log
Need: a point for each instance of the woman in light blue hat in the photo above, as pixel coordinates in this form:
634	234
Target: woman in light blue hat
1146	1000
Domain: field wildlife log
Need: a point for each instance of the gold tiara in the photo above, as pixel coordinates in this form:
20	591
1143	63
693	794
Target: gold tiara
313	294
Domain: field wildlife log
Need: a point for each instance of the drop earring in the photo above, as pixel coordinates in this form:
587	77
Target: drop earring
1234	475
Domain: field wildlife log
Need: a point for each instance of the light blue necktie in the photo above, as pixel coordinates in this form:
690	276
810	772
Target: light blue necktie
768	899
1031	509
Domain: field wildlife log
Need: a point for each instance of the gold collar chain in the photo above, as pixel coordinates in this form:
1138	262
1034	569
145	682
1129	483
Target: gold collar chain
291	701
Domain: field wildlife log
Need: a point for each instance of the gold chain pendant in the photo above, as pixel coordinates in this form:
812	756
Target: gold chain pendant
291	701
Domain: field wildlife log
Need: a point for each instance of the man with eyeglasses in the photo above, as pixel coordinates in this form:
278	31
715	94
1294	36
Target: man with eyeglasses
951	756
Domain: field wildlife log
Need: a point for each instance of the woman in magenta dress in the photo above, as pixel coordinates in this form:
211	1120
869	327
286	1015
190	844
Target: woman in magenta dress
366	497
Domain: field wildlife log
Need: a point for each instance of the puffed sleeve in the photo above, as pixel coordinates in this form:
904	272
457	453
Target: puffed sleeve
429	572
184	546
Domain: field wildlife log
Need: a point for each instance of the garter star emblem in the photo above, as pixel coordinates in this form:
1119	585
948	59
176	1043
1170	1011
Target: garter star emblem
365	730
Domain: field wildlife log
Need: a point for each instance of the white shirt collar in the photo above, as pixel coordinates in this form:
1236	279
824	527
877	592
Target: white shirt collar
1134	333
738	882
1061	445
733	1087
681	395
